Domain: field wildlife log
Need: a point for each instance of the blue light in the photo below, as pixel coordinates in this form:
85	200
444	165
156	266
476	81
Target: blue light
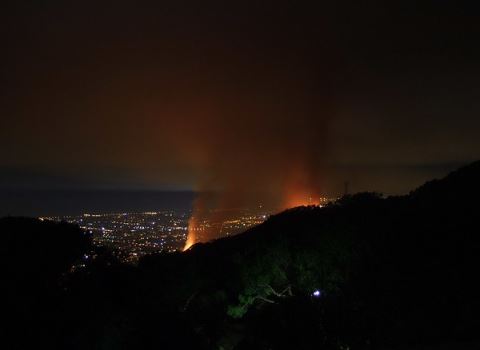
317	293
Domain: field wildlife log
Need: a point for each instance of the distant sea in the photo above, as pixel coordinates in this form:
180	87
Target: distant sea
75	202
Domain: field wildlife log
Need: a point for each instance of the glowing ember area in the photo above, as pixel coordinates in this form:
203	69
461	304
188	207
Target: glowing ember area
300	199
191	238
303	199
190	242
300	188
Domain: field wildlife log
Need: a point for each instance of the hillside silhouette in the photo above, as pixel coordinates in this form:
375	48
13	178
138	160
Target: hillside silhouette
365	272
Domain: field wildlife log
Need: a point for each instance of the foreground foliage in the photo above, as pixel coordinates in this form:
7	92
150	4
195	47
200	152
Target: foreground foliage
366	272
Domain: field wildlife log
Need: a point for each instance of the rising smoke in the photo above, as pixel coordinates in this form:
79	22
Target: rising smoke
257	128
263	144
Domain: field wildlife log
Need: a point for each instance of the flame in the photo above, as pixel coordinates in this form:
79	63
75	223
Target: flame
191	237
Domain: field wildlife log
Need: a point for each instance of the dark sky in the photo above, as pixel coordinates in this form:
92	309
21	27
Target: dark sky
280	96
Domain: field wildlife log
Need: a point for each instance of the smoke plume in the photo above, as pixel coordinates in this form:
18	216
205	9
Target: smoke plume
261	143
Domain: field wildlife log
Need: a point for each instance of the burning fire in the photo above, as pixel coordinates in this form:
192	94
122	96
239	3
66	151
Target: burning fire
300	199
298	188
191	238
296	195
299	191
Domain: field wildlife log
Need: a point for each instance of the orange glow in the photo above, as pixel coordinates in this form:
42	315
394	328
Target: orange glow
300	198
300	189
298	186
191	238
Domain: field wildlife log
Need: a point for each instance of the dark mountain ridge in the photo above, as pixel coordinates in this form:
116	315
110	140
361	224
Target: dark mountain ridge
405	264
365	272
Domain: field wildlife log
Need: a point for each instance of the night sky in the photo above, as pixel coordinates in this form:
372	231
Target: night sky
285	97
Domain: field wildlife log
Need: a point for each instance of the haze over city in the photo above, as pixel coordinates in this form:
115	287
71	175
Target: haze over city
182	95
248	162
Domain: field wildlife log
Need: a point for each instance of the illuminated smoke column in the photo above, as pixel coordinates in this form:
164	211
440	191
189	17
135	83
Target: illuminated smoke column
269	152
192	237
248	119
290	185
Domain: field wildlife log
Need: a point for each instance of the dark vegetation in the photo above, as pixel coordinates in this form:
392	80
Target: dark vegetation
397	272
